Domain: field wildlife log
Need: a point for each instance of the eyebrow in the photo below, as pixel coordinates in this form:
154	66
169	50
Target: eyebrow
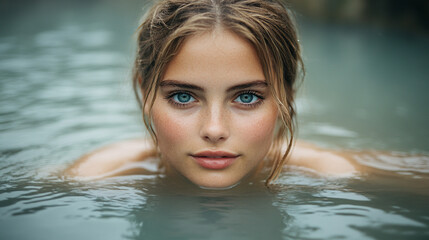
179	84
175	83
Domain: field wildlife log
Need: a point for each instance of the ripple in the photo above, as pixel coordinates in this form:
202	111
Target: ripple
395	162
342	195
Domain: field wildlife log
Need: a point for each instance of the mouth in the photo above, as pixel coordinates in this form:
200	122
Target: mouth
215	160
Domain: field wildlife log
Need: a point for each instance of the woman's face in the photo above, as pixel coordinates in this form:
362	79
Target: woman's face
213	114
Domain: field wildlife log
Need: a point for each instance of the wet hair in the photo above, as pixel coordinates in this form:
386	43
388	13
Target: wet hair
266	24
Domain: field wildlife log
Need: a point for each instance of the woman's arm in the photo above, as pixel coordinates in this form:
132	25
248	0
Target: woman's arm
323	161
111	158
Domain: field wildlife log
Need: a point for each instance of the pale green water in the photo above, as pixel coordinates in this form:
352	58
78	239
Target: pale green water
64	89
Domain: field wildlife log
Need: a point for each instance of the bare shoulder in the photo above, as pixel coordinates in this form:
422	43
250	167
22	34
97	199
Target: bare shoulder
324	161
106	161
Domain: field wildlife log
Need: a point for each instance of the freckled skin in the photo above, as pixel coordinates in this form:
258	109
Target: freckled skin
214	61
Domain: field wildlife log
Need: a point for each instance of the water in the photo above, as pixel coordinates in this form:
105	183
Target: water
64	90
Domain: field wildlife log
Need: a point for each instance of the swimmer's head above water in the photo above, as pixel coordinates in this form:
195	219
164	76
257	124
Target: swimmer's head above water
216	82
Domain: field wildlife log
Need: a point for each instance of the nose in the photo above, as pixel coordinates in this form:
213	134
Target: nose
214	125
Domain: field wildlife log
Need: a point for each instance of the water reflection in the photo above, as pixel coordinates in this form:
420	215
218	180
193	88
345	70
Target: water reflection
299	206
184	211
352	208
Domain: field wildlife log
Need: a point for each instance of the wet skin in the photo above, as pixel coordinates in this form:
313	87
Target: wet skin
214	118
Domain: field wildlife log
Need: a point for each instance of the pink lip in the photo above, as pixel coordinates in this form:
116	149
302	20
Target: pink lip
215	160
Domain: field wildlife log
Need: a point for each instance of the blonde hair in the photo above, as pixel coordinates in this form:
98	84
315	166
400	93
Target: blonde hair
264	23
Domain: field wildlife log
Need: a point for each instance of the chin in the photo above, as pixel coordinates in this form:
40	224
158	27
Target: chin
216	182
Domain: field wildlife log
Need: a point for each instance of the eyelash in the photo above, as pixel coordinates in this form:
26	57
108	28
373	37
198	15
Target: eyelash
170	96
251	105
260	100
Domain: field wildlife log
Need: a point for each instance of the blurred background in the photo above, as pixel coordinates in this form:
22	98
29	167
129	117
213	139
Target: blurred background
409	16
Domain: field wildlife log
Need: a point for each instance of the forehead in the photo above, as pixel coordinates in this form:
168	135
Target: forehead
219	56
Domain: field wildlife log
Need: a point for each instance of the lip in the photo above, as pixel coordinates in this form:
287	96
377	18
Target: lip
215	160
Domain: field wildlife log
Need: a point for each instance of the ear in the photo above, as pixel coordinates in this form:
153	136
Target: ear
145	109
140	80
142	95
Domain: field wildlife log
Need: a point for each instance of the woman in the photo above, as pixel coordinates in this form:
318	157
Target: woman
216	82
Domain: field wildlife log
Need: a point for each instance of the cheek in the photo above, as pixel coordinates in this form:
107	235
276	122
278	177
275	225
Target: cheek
169	128
258	129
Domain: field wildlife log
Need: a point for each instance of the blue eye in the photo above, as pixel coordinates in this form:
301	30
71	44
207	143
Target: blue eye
183	98
247	98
